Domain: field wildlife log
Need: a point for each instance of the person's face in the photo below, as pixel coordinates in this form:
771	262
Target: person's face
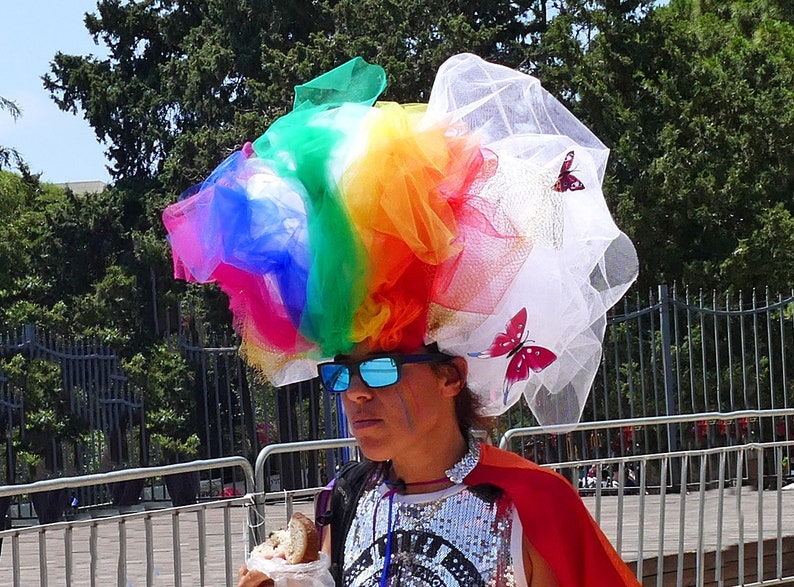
391	422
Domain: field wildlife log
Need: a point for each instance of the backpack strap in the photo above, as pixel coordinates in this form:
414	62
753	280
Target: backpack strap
335	506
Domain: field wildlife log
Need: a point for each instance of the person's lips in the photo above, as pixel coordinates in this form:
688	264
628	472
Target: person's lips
363	421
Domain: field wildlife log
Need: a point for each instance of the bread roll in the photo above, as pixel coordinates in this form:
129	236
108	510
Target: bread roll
298	543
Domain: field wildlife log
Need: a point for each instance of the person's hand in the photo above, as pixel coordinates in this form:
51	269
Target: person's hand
252	578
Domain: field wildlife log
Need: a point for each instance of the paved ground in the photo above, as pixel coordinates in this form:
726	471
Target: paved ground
225	529
735	520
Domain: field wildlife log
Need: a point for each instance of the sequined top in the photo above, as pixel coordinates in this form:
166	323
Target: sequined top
457	537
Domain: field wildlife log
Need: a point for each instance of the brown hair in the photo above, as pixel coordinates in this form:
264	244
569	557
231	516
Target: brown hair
468	405
468	409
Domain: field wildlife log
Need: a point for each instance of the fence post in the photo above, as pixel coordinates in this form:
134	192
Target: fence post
29	336
667	369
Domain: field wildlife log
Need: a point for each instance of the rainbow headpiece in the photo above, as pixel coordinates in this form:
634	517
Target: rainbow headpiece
476	222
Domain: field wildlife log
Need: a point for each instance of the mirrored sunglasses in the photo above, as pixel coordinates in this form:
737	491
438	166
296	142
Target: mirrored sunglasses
374	372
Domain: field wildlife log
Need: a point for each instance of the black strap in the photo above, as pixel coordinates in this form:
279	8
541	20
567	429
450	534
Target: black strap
345	493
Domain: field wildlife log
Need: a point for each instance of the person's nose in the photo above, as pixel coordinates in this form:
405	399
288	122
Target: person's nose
358	391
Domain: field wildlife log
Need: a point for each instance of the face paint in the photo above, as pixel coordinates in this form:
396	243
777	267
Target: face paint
397	421
408	399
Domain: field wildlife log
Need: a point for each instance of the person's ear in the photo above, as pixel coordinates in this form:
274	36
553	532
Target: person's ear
453	376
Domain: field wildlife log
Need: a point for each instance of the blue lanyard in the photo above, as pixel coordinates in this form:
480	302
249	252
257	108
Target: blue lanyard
396	486
385	573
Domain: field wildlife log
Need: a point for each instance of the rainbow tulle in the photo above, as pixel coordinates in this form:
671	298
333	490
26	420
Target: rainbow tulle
397	225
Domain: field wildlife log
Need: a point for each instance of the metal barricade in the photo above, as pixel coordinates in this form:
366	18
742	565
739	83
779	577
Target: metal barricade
262	498
201	544
720	516
727	531
717	516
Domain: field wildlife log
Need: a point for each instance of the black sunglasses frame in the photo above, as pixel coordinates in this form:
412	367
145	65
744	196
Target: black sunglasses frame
399	359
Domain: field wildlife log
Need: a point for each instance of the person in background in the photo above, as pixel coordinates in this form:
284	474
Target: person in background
432	265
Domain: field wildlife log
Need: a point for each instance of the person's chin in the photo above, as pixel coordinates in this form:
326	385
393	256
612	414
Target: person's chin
374	447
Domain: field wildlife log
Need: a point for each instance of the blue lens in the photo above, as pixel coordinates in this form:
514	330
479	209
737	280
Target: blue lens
379	372
374	372
335	376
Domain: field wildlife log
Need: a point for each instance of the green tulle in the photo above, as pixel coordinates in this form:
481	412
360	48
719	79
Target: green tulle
354	82
300	147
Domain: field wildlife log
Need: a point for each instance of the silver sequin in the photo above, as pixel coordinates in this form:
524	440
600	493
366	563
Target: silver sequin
460	470
457	537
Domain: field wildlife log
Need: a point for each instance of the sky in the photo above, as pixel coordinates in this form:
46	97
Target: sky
59	145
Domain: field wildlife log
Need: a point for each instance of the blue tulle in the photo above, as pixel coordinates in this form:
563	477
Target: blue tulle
263	236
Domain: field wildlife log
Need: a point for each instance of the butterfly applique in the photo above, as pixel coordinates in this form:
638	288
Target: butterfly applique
567	180
523	357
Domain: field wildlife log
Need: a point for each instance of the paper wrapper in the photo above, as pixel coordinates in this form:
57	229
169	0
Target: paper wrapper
314	574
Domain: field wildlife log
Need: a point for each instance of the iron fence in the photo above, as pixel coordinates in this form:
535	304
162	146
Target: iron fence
668	353
82	419
208	539
678	353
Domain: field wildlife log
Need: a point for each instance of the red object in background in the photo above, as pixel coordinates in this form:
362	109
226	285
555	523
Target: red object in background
265	433
229	491
702	428
780	428
722	427
628	437
261	433
743	423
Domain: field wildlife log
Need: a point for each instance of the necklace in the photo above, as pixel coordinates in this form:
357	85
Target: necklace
399	486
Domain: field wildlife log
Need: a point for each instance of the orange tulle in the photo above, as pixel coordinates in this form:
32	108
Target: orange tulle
402	195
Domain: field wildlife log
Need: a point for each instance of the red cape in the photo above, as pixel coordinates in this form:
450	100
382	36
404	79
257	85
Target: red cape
555	520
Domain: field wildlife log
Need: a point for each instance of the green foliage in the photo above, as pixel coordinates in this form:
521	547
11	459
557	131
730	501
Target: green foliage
45	421
171	449
9	155
67	263
165	377
49	420
694	100
692	97
27	465
111	311
12	194
188	82
166	380
766	255
38	381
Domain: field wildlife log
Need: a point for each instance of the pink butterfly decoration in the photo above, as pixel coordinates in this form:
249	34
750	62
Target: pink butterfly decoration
567	181
523	357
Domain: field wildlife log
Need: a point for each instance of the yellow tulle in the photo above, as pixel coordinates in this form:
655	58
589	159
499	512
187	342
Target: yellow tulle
401	195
